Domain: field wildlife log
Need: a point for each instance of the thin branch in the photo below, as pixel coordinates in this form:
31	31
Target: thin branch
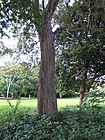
74	76
73	33
43	4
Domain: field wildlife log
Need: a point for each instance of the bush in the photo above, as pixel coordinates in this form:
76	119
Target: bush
94	98
78	124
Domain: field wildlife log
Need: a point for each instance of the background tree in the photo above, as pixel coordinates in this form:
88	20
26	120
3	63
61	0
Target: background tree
9	74
83	37
2	86
24	82
28	80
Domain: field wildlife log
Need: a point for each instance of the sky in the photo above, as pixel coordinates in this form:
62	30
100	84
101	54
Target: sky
11	43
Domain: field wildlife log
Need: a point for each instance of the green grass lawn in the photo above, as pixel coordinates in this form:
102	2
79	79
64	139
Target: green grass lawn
72	102
32	103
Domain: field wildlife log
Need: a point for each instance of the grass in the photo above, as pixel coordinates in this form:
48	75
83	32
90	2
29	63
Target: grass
72	102
32	103
30	106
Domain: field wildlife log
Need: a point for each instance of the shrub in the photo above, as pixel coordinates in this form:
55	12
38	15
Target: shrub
94	98
78	124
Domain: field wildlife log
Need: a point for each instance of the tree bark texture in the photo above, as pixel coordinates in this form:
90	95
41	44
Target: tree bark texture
83	84
47	101
82	92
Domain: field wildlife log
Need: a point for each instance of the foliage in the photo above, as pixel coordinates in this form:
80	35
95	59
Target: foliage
81	35
8	114
18	13
19	20
94	98
67	69
2	86
68	124
25	81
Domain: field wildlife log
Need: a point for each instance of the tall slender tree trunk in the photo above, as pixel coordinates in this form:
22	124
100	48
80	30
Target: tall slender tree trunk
47	102
9	82
83	84
82	92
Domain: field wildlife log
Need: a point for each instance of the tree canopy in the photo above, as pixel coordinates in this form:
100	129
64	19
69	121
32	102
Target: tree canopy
82	37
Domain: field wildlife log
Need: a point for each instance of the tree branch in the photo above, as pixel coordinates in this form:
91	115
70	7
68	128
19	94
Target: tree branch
70	32
50	8
43	4
36	5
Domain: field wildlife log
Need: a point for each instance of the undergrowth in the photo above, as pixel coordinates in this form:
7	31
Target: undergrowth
69	124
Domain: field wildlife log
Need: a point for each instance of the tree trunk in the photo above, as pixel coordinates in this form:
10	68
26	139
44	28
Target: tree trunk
9	82
83	84
47	101
82	92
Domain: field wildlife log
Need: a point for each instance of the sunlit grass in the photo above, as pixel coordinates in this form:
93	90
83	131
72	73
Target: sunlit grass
72	102
24	105
31	104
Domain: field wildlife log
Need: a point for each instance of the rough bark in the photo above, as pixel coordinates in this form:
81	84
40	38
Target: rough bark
47	101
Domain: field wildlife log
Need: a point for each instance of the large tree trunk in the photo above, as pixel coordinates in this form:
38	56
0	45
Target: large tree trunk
47	102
